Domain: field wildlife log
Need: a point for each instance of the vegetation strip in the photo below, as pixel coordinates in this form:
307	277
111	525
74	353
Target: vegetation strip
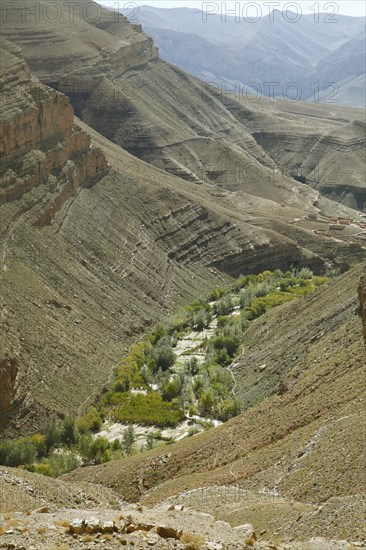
178	372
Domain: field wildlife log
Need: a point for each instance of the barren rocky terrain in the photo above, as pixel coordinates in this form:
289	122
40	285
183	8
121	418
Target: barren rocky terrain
128	189
89	240
302	439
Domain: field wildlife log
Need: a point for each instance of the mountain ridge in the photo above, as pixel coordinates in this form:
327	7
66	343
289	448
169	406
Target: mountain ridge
107	257
234	49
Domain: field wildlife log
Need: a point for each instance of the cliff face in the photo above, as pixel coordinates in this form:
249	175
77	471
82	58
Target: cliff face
362	299
118	85
85	44
39	144
8	387
90	257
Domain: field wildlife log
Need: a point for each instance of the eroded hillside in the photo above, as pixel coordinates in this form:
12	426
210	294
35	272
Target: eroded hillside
362	299
118	85
92	254
302	442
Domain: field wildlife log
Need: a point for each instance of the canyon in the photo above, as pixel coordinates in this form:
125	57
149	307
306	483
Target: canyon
129	189
89	226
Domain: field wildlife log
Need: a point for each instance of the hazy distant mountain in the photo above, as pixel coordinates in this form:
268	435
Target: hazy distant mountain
277	58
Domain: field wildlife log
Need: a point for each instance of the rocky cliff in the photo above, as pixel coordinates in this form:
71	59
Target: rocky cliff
362	299
92	257
41	148
85	44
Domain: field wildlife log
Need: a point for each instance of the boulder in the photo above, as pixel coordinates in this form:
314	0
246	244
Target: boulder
108	527
77	526
93	525
168	532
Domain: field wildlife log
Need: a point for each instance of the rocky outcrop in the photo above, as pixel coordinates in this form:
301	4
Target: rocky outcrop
118	85
87	44
40	146
8	386
362	299
91	261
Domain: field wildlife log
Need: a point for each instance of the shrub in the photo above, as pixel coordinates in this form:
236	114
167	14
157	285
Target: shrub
246	297
222	357
122	384
158	333
150	441
224	306
198	305
305	273
201	320
39	441
243	282
43	469
116	445
85	447
170	390
229	343
317	281
52	433
333	272
62	462
192	367
229	409
192	410
69	432
148	410
222	378
17	452
98	450
206	403
216	294
260	290
129	368
177	324
222	320
163	355
261	305
193	430
284	285
89	422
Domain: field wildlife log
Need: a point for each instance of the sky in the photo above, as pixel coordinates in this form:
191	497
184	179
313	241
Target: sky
355	8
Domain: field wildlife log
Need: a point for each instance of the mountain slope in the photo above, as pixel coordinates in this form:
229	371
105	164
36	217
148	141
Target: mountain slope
311	424
258	47
96	253
324	144
154	110
93	254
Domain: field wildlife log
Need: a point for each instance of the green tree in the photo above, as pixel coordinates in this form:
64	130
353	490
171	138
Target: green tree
170	390
207	403
163	355
52	432
17	452
192	366
91	421
150	441
123	384
69	432
305	273
128	439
